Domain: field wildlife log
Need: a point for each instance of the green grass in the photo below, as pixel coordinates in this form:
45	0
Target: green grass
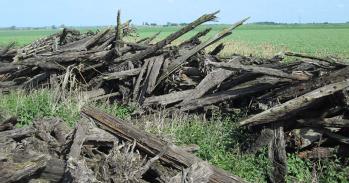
219	138
23	37
259	40
268	40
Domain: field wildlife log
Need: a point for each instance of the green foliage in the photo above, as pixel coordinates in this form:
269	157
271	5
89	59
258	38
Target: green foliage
298	170
41	103
219	142
37	104
333	171
121	111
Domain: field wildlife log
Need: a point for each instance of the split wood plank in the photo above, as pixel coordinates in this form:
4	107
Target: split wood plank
295	105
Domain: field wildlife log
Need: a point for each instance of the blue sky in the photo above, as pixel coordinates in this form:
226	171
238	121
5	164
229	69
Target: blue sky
103	12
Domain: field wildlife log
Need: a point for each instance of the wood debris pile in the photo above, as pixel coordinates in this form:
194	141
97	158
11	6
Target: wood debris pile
296	106
100	149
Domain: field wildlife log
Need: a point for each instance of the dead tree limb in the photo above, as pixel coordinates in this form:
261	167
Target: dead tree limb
155	70
167	99
122	74
329	60
196	37
239	91
139	80
177	63
293	106
119	31
168	40
211	80
256	69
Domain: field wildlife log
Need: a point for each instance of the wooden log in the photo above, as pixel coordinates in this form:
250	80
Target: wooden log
258	85
18	133
178	62
145	83
151	145
122	74
211	80
167	99
167	40
8	124
53	171
69	57
195	38
7	48
329	60
217	49
7	84
155	71
149	39
318	153
105	96
335	122
256	69
119	31
263	140
191	71
9	68
277	155
79	138
32	83
291	107
335	136
302	88
198	172
75	45
63	36
136	89
23	171
92	42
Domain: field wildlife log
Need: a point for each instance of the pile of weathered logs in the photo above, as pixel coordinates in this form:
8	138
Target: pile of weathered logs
301	106
100	149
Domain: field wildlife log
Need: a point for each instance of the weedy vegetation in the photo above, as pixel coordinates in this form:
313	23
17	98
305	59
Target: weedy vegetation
219	138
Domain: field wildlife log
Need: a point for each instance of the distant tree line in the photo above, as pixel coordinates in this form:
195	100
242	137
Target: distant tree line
276	23
168	24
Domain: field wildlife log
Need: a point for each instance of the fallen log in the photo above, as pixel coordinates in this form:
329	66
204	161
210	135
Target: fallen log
335	122
259	70
329	60
211	80
15	173
174	156
167	99
239	91
122	74
318	153
290	108
154	73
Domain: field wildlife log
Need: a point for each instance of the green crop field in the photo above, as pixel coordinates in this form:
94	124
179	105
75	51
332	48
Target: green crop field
260	40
